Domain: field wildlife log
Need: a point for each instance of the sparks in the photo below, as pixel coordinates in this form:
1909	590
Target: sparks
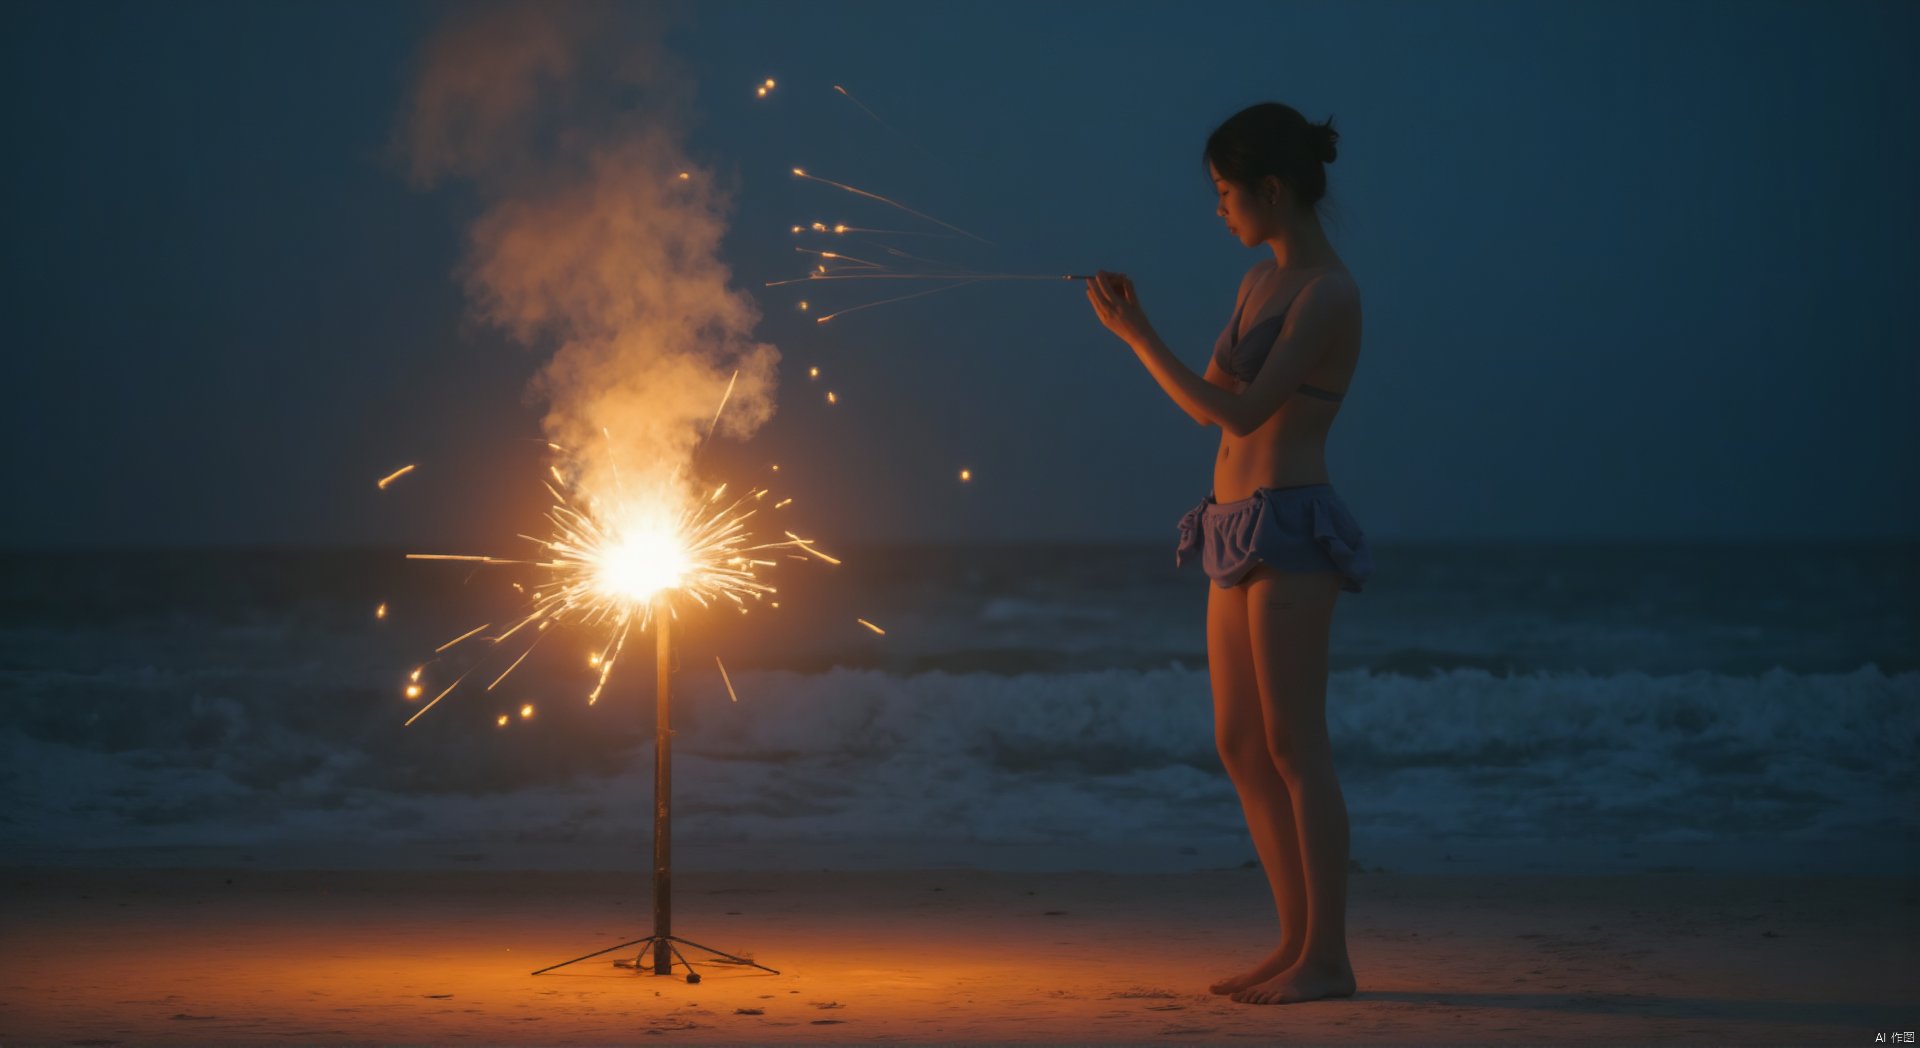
391	477
811	277
807	544
798	172
824	317
381	611
611	564
871	626
723	402
848	95
966	475
723	674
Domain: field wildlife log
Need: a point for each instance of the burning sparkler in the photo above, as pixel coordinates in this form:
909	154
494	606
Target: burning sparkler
611	565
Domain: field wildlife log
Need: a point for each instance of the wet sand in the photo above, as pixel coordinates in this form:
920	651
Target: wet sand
102	957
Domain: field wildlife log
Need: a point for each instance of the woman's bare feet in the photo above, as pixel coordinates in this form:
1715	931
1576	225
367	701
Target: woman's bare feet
1276	962
1300	983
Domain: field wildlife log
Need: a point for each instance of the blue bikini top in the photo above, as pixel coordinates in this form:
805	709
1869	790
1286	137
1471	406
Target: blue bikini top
1242	359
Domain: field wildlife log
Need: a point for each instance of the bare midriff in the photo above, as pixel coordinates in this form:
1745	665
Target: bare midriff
1289	449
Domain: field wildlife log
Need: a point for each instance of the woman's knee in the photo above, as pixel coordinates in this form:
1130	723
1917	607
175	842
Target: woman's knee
1251	768
1297	753
1241	749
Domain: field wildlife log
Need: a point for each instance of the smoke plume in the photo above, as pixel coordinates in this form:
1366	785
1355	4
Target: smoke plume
597	238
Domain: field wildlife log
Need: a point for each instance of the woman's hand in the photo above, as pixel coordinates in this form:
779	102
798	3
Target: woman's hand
1118	306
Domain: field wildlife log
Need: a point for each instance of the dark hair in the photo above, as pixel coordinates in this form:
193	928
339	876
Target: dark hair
1274	139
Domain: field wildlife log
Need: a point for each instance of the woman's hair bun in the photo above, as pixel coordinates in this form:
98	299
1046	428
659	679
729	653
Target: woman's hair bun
1274	139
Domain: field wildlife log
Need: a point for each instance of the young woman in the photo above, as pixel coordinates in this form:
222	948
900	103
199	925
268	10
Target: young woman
1277	542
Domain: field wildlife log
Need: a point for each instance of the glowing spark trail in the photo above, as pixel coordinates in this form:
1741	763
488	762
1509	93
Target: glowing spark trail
871	626
391	477
723	676
807	544
835	255
891	203
927	276
891	232
848	95
897	253
902	298
723	398
456	640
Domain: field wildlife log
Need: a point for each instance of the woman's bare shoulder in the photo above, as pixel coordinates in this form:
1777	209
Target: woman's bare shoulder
1340	280
1258	270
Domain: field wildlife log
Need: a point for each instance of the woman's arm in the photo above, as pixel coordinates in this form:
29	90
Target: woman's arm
1326	310
1208	402
1217	378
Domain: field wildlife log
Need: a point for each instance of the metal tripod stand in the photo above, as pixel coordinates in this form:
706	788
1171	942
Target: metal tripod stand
662	940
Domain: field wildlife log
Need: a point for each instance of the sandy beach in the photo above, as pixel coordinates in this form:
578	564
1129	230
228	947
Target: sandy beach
105	957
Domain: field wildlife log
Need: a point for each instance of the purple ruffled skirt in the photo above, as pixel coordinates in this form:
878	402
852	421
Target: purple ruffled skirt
1301	528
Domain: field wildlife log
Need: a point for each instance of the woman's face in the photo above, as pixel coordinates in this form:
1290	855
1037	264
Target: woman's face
1246	217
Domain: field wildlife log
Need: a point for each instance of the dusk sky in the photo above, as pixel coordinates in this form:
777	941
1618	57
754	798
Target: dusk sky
1629	270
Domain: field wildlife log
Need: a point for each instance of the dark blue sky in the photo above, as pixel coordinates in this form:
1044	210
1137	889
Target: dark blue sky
1630	269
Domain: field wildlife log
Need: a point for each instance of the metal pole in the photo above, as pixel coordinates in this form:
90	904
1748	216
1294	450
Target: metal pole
662	795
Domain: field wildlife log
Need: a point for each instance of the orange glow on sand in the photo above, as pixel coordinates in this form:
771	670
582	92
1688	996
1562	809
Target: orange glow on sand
951	956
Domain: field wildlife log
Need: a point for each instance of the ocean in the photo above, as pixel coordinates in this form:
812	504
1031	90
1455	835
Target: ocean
1494	708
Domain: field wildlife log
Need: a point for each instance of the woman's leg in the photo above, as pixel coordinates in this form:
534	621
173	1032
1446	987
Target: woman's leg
1240	732
1290	616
